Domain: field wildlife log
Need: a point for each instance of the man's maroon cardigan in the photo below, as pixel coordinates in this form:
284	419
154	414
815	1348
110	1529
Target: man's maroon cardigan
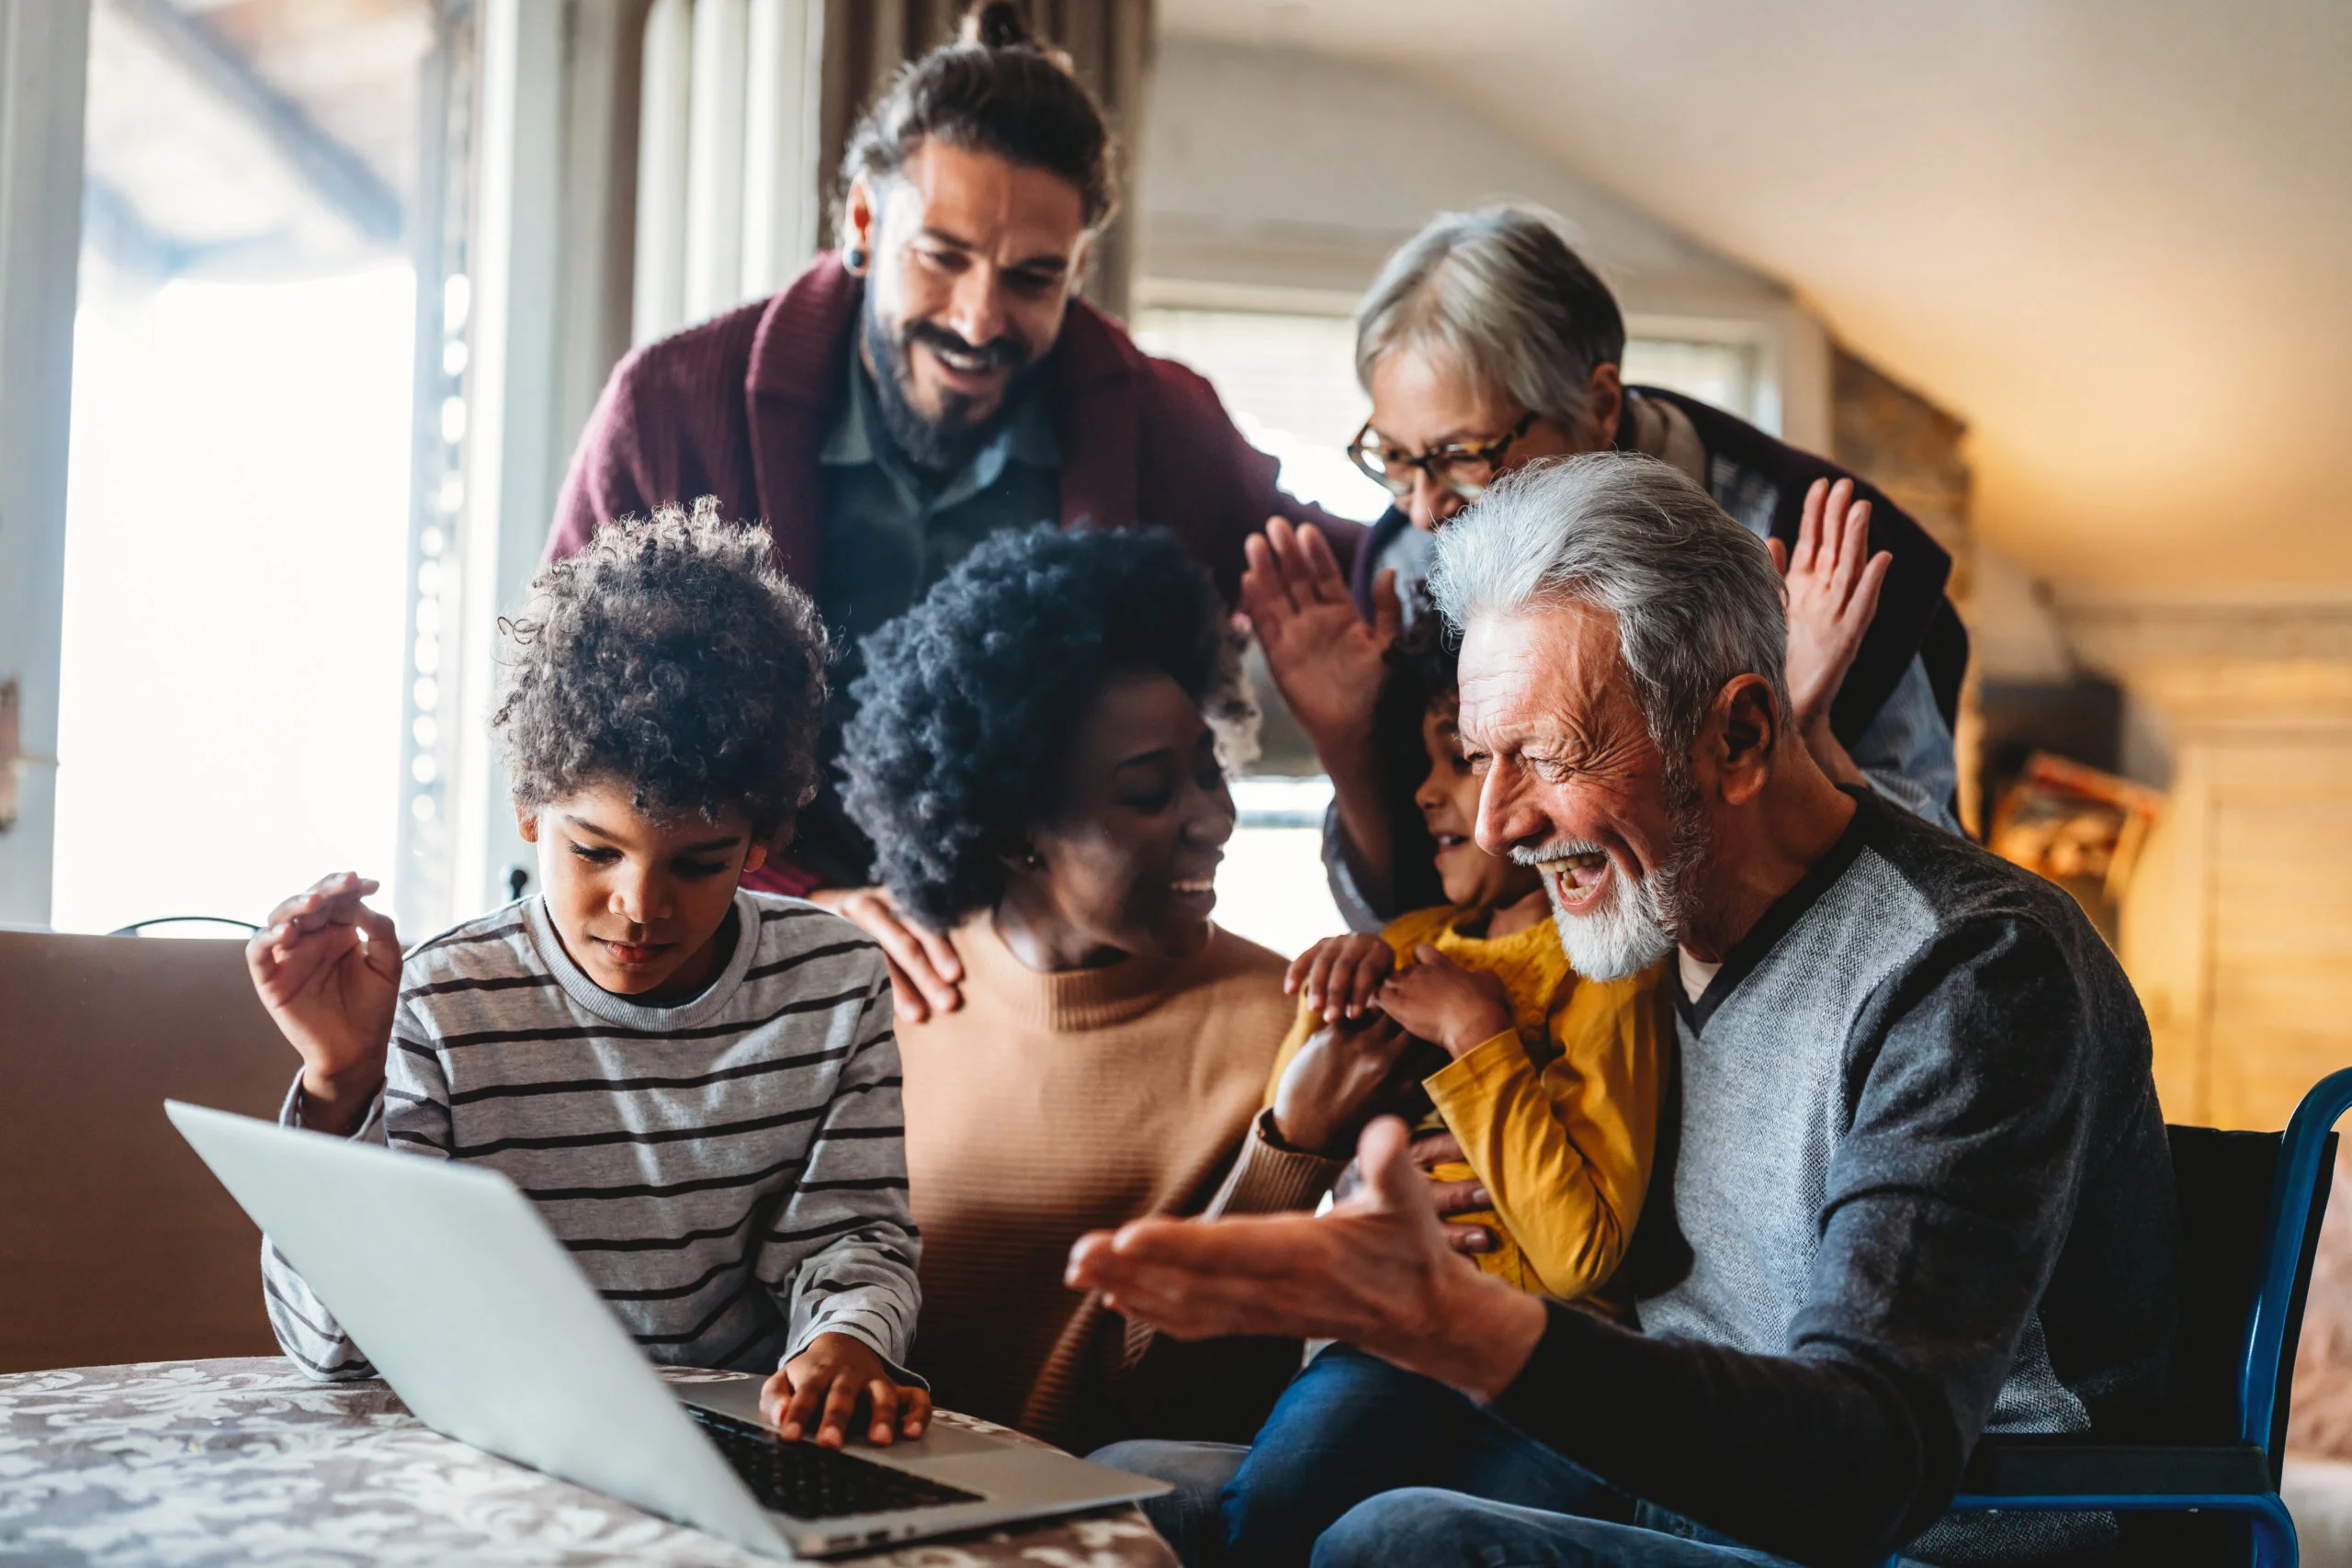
739	406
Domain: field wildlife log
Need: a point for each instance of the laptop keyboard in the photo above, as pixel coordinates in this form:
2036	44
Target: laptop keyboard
812	1482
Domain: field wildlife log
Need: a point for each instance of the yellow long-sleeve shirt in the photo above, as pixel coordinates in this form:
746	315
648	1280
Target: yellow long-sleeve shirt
1558	1116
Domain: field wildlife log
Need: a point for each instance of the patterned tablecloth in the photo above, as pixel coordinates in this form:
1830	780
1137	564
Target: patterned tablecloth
249	1462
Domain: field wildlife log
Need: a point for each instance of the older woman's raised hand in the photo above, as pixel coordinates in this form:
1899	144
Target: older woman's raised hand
925	972
1833	583
1329	665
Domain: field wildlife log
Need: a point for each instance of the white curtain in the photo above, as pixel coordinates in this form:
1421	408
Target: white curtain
727	202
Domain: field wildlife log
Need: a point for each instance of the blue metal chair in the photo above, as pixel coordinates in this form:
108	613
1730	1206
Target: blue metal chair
2241	1312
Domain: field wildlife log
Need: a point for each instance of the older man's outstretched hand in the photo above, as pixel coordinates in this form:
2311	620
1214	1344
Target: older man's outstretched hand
1377	1270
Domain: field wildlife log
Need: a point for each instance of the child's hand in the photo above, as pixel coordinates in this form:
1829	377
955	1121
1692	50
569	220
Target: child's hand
1339	974
829	1380
1445	1003
328	969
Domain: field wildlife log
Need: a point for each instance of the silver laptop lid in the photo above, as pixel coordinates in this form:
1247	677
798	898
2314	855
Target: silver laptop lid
448	1279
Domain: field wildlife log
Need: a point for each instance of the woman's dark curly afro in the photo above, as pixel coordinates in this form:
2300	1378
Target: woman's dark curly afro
671	657
969	700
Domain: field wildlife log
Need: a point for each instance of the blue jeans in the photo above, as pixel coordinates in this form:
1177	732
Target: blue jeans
1351	1426
1187	1518
1362	1465
1418	1527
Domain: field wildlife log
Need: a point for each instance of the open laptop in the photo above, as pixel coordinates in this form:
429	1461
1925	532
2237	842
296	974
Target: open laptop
448	1280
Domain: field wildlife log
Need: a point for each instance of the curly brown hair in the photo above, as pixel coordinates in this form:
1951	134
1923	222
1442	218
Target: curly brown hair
672	656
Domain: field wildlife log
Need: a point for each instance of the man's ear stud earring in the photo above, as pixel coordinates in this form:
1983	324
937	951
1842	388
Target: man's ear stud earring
854	258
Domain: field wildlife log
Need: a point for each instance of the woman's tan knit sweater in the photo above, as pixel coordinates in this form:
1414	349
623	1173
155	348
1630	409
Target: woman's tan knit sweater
1052	1104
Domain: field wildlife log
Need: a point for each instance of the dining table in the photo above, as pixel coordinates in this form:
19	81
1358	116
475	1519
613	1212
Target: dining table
250	1460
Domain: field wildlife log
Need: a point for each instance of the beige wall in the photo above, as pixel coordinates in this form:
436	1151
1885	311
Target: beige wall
2237	930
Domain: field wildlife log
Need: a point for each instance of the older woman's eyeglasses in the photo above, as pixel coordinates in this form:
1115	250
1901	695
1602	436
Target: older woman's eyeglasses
1465	468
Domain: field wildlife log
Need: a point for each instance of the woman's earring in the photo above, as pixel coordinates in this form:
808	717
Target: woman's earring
854	258
1034	861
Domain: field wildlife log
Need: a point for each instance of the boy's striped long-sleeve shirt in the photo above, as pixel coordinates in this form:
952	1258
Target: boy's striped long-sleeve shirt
730	1172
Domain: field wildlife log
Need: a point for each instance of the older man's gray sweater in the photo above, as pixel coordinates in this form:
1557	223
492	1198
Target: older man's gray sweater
1921	1192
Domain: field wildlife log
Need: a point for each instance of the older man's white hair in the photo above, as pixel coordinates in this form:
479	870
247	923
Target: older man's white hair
1695	595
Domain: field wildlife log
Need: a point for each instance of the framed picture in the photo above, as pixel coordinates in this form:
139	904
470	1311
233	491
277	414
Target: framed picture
2079	827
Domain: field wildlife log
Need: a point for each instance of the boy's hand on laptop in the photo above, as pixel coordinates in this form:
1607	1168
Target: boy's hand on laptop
328	969
1447	1005
827	1382
1341	974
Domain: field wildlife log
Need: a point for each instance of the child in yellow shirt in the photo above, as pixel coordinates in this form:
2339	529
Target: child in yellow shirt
1551	1086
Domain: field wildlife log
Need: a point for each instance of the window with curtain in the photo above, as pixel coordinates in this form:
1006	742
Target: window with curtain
238	520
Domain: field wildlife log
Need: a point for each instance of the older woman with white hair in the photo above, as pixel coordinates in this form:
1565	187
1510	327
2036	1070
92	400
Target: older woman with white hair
1486	344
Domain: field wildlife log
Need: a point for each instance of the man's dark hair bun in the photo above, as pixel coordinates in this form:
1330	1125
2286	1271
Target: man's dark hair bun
999	88
996	24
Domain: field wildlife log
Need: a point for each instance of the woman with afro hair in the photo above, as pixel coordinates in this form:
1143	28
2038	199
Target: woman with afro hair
1039	755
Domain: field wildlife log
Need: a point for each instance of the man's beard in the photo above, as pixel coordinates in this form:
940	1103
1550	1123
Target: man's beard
1643	917
942	446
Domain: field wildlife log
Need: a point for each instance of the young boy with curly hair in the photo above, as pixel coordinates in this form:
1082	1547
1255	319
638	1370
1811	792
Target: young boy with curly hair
697	1084
1548	1083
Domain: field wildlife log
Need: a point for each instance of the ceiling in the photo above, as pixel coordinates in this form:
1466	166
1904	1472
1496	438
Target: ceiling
2113	235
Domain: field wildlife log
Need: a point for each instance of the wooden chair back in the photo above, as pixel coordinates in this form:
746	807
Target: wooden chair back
116	1243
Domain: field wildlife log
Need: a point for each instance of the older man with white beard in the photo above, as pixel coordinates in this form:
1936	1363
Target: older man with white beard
1921	1190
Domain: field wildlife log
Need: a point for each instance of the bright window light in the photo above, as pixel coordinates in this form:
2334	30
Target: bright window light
236	559
1718	373
1270	887
1289	382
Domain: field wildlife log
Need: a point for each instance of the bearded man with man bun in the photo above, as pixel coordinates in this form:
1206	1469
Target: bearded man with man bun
934	379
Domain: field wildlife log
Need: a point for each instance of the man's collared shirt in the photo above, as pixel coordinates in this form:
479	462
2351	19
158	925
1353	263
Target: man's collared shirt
889	535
